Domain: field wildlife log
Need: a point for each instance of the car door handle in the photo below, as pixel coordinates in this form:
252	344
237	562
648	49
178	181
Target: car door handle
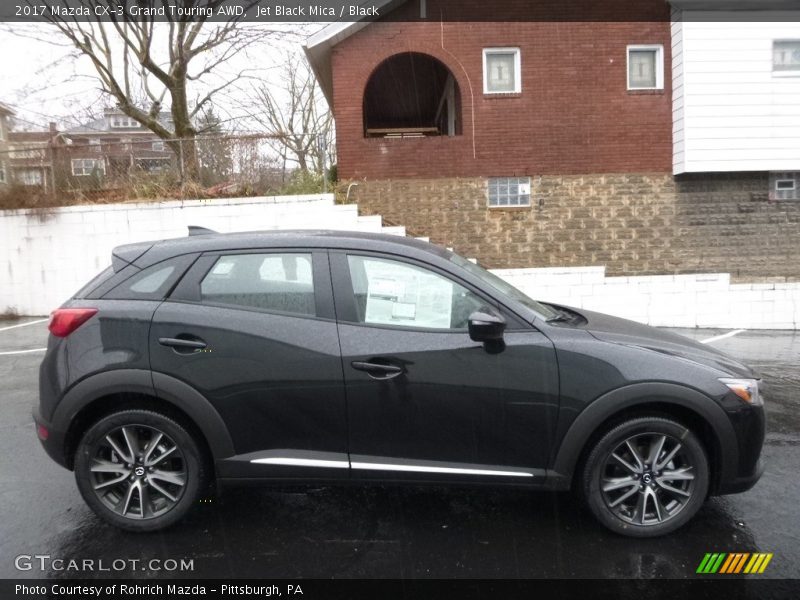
182	343
377	371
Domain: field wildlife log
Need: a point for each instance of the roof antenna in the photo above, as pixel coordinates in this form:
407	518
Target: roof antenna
197	230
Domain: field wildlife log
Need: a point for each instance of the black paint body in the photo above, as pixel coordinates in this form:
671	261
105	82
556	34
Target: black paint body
271	386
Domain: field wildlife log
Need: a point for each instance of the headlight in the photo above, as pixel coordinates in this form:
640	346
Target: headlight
746	389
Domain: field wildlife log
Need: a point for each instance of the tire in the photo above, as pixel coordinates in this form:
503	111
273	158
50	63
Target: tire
145	490
627	495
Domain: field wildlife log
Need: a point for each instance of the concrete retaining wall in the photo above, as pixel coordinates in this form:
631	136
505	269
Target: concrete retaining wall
48	257
704	300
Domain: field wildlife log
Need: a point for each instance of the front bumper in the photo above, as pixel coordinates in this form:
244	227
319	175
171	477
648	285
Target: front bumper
742	483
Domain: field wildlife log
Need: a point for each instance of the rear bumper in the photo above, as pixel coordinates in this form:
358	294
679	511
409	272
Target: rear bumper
54	444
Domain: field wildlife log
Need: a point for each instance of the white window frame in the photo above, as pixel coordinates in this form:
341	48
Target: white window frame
518	182
158	146
517	70
3	172
99	164
22	176
659	50
783	72
122	122
788	193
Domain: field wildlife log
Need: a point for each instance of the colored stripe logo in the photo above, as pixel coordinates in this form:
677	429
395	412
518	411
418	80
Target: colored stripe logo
734	562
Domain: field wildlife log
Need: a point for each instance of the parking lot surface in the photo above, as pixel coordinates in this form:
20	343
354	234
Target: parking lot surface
377	532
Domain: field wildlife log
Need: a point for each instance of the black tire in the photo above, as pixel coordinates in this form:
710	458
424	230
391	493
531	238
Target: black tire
657	499
152	491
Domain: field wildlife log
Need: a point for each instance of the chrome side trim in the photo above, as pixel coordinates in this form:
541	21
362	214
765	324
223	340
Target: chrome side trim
448	470
303	462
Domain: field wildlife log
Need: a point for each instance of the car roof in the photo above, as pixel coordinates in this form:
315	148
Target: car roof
143	254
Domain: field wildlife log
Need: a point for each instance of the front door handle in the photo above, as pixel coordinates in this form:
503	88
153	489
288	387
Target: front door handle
182	343
377	371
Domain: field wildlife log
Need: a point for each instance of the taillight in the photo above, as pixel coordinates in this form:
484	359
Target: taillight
64	321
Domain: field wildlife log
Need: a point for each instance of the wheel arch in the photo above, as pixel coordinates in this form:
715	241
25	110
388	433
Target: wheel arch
103	393
689	406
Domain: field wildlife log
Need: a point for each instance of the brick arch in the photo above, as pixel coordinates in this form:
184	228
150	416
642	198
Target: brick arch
464	86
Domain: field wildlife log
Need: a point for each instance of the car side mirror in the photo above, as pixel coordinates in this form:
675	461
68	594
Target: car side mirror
486	327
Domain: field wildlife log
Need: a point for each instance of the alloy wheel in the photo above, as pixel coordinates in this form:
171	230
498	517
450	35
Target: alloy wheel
138	471
648	479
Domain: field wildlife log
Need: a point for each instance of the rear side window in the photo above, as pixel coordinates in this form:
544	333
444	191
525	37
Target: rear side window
273	282
152	283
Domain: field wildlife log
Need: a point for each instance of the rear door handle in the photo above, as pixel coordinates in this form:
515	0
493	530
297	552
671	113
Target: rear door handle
377	371
182	343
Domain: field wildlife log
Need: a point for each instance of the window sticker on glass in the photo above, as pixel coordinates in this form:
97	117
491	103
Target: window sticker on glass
400	294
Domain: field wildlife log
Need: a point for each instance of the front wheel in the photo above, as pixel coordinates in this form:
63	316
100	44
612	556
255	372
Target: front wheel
139	470
646	477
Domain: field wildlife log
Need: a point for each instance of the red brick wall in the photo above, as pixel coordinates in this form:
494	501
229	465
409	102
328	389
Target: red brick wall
574	114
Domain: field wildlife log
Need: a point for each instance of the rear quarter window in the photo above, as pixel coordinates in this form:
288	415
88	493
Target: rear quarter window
153	282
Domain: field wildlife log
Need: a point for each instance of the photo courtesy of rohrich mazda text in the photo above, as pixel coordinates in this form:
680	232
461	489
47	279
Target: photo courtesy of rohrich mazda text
400	298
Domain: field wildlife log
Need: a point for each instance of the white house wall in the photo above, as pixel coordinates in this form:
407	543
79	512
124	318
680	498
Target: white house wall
730	112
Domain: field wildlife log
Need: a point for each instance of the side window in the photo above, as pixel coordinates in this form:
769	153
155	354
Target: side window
151	283
275	282
388	292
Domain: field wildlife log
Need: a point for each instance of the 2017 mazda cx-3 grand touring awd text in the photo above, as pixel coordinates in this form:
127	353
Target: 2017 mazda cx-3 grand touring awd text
334	357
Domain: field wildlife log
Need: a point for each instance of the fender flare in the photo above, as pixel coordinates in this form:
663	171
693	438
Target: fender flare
172	391
587	422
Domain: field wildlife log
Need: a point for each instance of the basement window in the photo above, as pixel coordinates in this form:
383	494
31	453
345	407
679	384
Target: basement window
411	95
509	191
784	186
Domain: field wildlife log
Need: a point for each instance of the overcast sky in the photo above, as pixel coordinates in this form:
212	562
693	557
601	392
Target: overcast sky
41	83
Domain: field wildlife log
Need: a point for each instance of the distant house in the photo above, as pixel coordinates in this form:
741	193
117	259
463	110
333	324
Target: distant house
113	146
642	136
5	114
31	157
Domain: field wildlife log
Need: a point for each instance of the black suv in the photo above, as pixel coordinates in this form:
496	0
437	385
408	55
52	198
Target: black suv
333	357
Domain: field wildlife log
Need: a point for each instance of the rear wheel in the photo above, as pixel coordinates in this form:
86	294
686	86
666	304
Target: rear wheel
646	477
139	470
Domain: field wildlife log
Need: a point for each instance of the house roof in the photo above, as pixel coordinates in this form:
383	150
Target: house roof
319	46
725	5
31	136
6	110
100	126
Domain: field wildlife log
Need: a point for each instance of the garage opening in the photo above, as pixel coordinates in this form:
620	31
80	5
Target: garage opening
412	95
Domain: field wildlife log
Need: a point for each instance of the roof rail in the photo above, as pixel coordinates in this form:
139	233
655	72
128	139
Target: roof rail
197	230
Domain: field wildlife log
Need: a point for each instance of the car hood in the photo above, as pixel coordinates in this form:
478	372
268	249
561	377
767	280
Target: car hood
622	331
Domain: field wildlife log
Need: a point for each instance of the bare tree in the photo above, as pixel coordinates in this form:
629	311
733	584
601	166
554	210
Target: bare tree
143	65
296	116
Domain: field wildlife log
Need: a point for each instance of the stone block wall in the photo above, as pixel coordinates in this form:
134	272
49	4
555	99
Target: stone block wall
633	224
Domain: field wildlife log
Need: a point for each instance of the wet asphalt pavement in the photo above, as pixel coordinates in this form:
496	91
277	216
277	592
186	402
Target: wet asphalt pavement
389	532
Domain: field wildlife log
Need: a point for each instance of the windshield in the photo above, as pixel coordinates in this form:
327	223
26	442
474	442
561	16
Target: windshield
503	286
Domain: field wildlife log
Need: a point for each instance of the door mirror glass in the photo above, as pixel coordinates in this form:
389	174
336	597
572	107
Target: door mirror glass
486	327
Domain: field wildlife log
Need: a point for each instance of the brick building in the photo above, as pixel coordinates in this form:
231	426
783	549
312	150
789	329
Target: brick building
111	147
30	157
545	137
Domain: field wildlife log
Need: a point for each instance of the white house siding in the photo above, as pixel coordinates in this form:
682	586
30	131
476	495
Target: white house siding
678	155
731	112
